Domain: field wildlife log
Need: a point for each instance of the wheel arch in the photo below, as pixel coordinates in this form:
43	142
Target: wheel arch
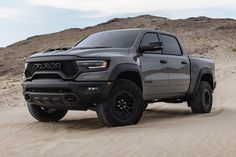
207	77
205	74
130	72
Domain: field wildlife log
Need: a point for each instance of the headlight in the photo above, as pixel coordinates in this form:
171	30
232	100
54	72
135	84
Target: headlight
92	65
26	64
23	75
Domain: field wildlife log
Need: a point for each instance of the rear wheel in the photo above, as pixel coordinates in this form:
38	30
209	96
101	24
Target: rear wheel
124	105
45	114
201	102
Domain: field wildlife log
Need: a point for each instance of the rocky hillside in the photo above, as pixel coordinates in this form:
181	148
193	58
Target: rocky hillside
201	35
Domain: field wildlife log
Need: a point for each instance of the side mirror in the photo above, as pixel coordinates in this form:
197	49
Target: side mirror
154	46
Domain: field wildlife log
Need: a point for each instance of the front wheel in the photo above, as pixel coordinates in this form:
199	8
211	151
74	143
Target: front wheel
124	105
45	114
201	102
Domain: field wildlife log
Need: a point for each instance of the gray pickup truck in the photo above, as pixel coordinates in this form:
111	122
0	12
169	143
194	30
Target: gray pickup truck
117	73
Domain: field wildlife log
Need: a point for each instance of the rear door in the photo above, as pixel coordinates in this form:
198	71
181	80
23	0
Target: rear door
154	69
178	65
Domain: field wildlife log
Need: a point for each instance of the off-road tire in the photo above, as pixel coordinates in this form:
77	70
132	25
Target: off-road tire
201	102
115	112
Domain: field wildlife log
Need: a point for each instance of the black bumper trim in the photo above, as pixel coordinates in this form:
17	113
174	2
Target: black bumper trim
57	93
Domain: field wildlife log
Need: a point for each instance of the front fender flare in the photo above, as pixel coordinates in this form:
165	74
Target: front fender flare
126	67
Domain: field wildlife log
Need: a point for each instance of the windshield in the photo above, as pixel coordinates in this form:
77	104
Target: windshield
110	39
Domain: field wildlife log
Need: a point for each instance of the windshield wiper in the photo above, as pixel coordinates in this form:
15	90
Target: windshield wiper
95	47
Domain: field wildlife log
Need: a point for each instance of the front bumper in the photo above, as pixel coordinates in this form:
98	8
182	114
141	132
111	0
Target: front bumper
57	93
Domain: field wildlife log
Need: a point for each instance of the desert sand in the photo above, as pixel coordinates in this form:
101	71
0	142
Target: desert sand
165	129
169	130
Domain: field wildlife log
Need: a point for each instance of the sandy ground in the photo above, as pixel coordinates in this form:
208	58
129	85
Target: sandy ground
165	129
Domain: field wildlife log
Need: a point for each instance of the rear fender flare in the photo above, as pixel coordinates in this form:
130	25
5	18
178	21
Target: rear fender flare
202	72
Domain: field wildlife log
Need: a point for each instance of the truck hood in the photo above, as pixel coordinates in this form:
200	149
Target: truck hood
101	52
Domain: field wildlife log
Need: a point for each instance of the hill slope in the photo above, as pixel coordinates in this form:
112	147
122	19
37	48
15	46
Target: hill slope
201	35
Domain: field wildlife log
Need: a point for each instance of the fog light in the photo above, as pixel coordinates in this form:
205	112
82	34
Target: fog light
70	98
92	88
27	97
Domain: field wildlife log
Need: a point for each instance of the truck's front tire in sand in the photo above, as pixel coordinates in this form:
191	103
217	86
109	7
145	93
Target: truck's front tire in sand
123	106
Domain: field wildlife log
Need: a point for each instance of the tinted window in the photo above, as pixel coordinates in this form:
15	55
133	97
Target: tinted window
150	38
114	39
171	45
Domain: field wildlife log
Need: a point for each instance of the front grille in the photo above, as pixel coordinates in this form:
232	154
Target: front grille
68	68
46	76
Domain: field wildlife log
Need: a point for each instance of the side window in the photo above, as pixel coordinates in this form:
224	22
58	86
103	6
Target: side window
150	38
171	45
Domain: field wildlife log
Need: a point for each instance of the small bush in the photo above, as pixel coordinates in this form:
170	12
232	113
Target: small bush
141	26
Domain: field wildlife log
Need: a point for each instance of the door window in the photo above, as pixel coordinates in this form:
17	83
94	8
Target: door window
171	45
150	38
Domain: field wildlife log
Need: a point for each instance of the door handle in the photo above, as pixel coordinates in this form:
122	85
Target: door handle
148	81
184	62
163	61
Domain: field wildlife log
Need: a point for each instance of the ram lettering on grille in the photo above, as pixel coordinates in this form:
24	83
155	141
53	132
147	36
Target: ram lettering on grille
47	66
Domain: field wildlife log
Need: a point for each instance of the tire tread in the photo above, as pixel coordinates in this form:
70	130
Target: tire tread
102	108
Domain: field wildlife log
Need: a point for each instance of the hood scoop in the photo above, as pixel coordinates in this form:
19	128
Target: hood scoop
57	49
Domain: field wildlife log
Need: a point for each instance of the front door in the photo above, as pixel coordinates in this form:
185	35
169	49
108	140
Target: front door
154	67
